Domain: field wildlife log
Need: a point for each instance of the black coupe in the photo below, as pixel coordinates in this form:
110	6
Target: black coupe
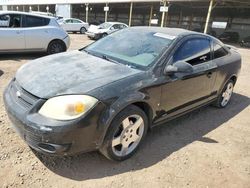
107	95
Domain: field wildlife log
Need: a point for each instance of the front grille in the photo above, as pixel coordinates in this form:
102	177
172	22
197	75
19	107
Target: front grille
23	98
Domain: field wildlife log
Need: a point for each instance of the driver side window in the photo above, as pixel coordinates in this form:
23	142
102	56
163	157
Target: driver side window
10	21
116	26
68	21
194	51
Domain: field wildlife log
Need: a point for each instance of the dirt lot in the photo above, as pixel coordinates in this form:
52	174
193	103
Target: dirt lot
207	148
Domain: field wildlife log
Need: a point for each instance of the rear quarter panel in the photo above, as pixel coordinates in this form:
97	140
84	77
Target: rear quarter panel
228	66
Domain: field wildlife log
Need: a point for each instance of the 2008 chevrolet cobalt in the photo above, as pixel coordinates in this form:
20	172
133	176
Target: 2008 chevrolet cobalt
107	95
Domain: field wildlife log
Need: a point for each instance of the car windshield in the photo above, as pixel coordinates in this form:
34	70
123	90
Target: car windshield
105	25
133	47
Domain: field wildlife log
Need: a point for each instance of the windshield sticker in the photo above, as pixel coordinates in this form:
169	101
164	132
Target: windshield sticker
163	35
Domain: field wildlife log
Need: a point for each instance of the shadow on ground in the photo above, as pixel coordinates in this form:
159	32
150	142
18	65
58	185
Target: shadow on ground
1	72
159	144
21	56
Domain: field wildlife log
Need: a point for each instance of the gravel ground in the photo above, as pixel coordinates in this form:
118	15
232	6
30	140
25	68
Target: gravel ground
207	148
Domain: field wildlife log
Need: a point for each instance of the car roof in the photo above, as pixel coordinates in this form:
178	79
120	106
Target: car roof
72	19
115	23
25	13
166	30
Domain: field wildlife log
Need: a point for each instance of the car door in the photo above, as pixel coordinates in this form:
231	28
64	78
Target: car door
76	25
67	25
183	91
37	32
11	33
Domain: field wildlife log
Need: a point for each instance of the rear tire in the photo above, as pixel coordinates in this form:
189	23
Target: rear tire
83	30
225	96
56	46
125	134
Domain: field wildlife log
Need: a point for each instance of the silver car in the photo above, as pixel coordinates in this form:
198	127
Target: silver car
104	29
26	32
74	25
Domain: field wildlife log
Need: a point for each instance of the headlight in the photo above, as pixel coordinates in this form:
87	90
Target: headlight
67	107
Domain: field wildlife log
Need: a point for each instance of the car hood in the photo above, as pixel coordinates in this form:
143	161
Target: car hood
69	73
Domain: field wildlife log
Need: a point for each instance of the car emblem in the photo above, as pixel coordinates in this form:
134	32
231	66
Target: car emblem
18	94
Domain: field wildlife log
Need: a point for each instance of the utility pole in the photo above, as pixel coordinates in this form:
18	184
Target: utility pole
151	14
106	12
87	12
130	14
163	14
208	15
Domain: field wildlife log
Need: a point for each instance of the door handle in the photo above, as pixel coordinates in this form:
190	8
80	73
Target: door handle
209	74
18	32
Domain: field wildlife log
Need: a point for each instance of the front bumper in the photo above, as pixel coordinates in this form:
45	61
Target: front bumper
93	35
51	136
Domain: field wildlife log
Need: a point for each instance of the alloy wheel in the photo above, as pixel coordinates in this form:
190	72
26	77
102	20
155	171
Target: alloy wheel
128	135
55	47
226	95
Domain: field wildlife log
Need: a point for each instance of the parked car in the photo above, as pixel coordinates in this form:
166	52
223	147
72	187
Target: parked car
107	95
245	42
74	25
229	36
26	32
104	29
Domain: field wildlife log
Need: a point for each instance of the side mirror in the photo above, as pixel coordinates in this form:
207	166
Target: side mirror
178	67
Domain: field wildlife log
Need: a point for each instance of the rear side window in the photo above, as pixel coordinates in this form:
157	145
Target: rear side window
34	21
219	51
121	26
76	21
194	51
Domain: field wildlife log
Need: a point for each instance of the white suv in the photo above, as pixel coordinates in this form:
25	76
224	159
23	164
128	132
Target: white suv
26	32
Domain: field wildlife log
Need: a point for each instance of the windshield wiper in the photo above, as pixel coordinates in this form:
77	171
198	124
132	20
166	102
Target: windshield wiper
109	59
101	56
117	62
131	66
91	53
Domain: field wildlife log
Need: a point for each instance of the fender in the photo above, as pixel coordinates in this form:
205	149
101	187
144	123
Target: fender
110	113
226	80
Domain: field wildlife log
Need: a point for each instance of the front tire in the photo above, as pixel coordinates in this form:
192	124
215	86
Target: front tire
104	35
56	46
225	96
125	134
